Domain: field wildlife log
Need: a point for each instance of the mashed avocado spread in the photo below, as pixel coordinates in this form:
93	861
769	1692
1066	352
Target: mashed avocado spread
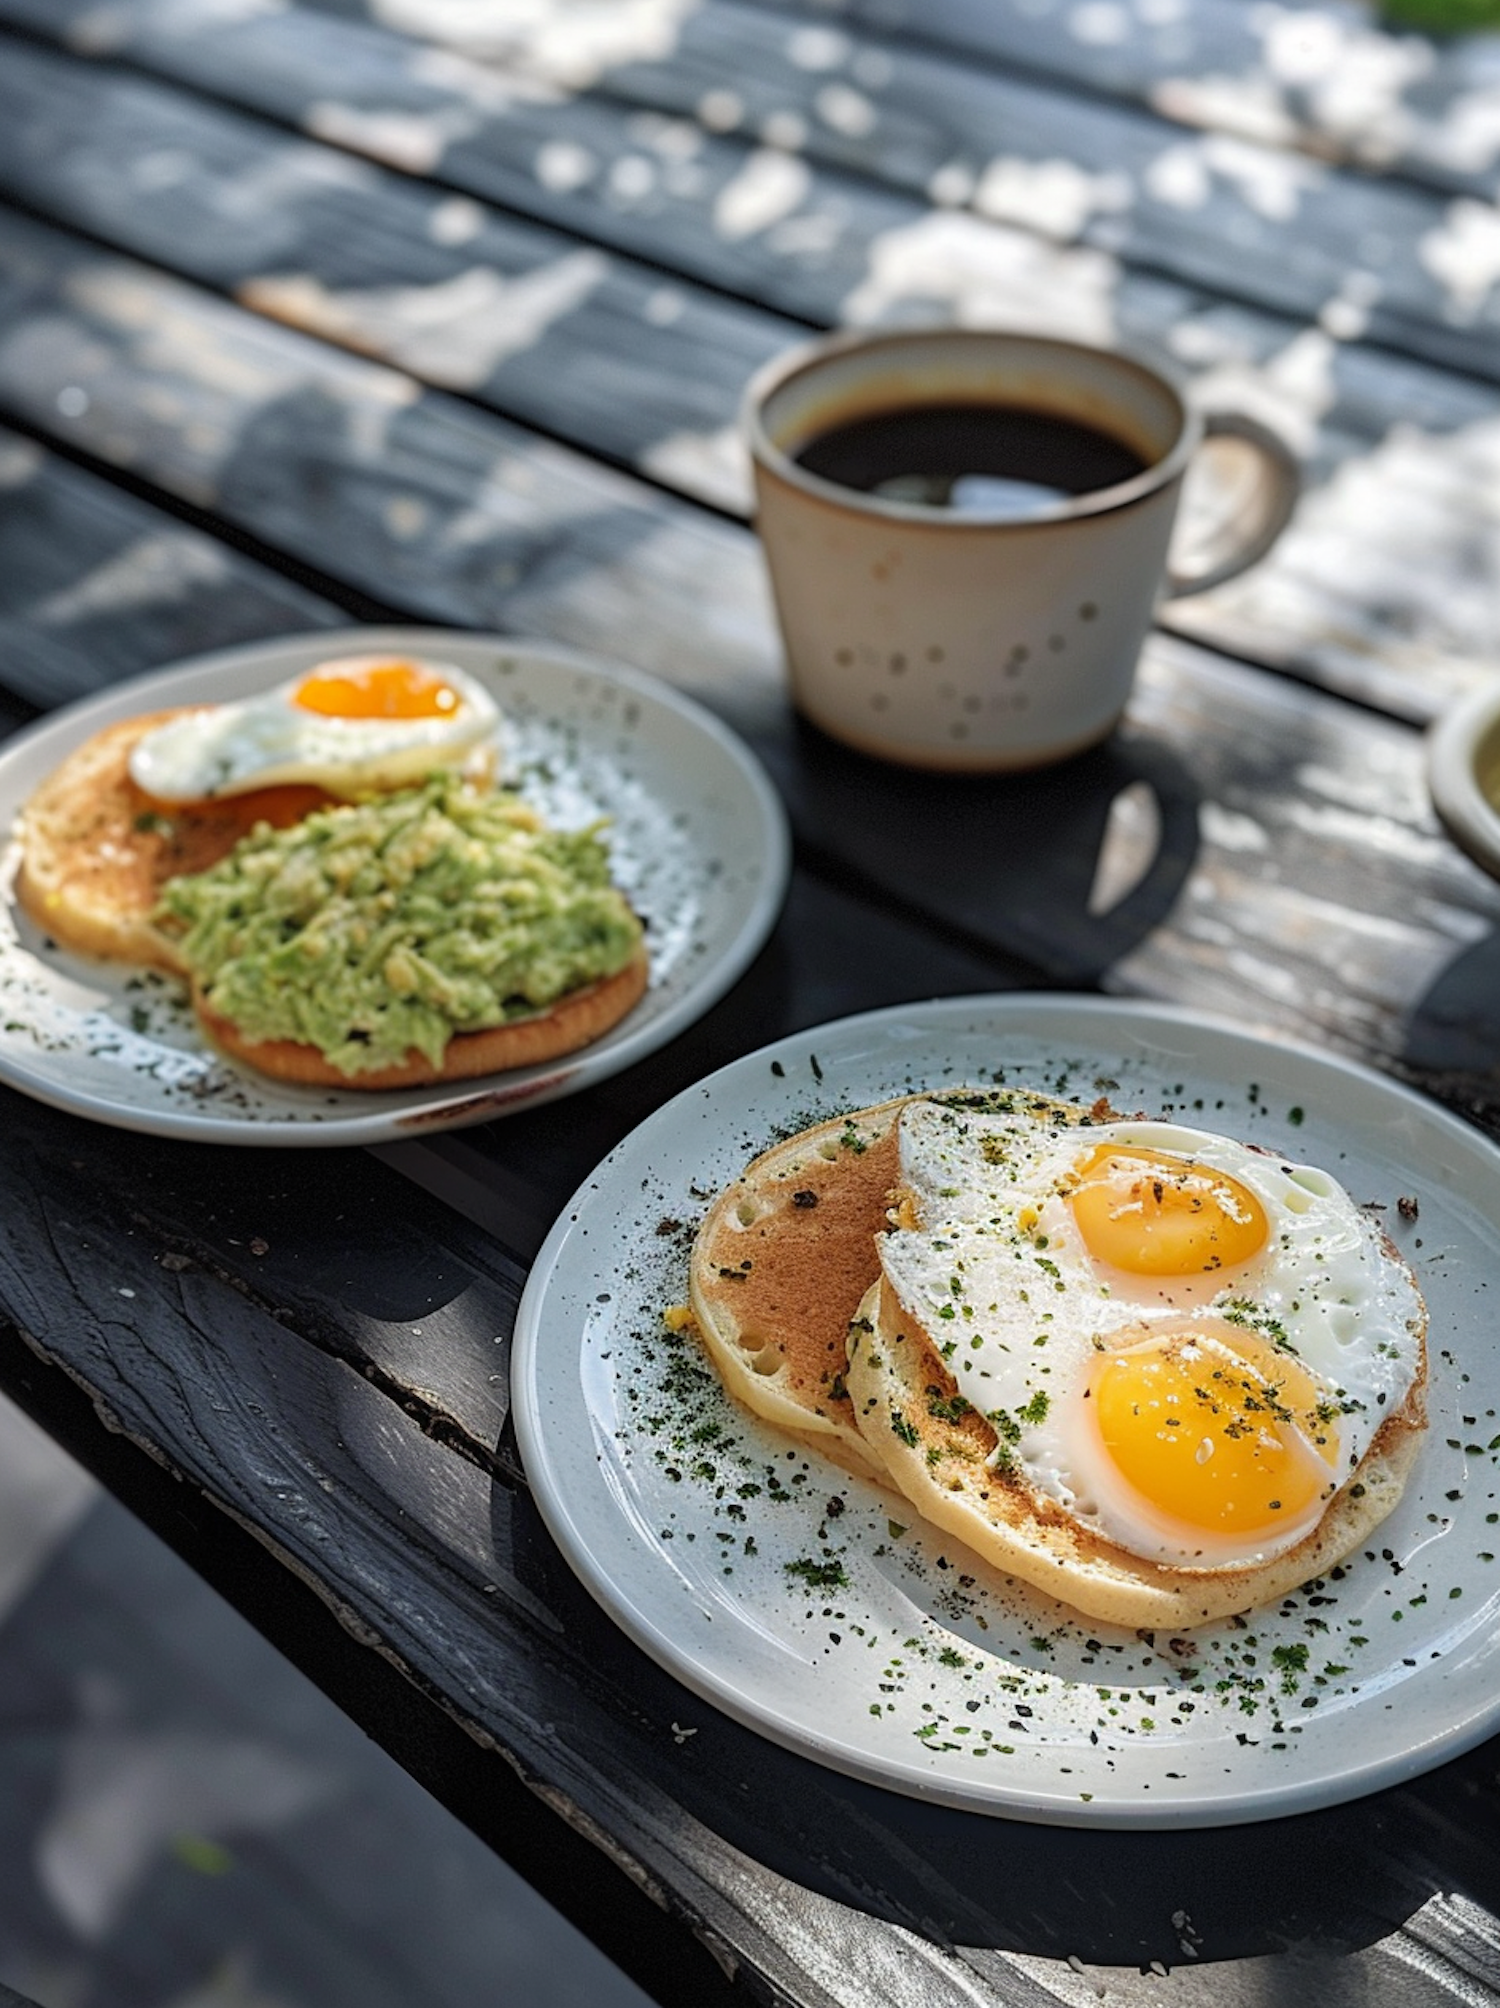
375	927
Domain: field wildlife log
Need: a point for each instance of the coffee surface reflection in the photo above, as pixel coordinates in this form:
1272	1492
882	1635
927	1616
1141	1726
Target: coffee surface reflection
972	458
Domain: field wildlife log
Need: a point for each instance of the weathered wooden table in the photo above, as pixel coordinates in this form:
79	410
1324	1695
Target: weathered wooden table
361	310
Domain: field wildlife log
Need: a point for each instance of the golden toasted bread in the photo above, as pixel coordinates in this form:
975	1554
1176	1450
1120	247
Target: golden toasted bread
899	1383
96	850
789	1296
575	1020
778	1270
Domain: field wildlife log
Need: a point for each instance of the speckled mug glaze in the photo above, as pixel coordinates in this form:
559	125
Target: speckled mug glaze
975	640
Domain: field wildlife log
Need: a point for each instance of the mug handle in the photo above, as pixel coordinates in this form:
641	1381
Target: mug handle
1244	528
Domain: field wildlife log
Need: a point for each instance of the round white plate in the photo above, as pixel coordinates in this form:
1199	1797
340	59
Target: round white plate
846	1633
698	842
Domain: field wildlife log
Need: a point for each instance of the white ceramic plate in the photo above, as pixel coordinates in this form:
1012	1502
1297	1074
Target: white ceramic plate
698	842
910	1664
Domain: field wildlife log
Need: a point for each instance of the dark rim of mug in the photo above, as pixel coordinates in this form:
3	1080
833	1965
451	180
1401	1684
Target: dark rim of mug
801	361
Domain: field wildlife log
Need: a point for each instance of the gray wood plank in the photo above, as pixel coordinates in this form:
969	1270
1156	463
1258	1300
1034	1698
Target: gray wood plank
816	1890
1312	895
459	517
1209	210
353	469
63	523
821	1890
1333	81
392	489
1387	585
1247	220
806	1941
415	1551
1236	910
642	369
336	1879
96	586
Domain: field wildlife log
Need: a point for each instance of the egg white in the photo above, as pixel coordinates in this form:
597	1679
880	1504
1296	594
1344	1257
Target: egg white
269	740
998	1274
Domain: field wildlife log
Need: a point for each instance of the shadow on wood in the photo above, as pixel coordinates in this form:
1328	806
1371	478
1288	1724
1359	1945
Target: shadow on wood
1340	1878
1068	867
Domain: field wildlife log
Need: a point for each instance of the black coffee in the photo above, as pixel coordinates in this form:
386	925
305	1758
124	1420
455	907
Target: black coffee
989	458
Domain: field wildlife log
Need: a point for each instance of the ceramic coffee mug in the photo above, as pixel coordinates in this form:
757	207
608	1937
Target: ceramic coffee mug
967	532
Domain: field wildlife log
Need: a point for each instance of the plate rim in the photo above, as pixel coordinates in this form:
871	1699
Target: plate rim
419	1112
1277	1799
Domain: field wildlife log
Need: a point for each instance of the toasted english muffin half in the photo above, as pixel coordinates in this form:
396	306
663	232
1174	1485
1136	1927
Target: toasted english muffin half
786	1253
787	1262
780	1264
576	1019
96	850
937	1450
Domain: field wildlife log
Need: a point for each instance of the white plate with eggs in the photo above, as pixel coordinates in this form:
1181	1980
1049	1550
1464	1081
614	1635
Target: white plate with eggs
816	1607
698	843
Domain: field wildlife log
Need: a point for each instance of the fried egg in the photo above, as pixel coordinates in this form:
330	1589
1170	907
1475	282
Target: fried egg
1185	1344
351	726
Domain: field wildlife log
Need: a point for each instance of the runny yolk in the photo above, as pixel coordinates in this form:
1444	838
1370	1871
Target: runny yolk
395	689
1219	1437
1156	1215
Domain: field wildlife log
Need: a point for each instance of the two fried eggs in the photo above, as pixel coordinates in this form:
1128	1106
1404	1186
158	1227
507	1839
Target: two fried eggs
1185	1345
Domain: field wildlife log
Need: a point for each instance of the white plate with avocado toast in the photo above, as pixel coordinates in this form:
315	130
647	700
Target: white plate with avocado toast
817	1608
697	841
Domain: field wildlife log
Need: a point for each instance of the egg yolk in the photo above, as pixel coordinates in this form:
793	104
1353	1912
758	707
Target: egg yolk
1219	1437
377	690
1153	1214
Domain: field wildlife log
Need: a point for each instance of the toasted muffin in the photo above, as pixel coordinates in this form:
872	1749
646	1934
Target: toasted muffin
820	1319
899	1383
421	934
575	1020
779	1267
96	850
101	862
1160	1375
